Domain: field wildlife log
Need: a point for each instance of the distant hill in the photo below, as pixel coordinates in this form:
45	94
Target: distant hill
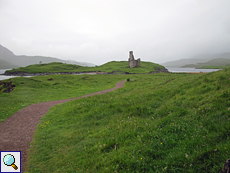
6	65
9	60
213	62
191	62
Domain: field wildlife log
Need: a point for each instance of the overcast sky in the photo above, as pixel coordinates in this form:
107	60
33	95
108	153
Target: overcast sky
99	31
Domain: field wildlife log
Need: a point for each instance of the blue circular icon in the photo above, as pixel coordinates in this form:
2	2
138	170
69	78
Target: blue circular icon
9	159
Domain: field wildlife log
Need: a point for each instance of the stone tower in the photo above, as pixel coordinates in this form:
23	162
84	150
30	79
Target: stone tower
132	62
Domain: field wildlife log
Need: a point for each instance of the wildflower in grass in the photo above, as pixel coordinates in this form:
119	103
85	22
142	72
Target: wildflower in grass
161	143
141	158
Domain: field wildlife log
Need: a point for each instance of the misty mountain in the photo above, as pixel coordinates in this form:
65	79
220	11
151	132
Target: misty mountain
199	60
6	65
9	60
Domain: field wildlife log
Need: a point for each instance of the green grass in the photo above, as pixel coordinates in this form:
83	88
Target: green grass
156	123
38	89
113	66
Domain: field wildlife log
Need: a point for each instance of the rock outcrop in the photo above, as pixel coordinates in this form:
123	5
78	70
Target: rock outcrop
163	70
226	167
7	86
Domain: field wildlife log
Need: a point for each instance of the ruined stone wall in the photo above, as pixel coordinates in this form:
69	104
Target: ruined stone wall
132	62
138	62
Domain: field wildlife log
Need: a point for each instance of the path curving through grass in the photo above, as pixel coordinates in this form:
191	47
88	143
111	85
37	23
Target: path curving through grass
17	131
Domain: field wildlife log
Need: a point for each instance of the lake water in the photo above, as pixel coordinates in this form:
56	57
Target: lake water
184	70
2	77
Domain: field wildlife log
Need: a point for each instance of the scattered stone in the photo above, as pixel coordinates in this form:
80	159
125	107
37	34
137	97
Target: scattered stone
163	70
7	87
100	72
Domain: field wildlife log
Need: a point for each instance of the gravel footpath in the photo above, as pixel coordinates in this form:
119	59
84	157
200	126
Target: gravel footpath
17	131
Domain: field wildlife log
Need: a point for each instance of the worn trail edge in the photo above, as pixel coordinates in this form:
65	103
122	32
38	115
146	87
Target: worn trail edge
17	131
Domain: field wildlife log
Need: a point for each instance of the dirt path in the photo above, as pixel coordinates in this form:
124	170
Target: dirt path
16	132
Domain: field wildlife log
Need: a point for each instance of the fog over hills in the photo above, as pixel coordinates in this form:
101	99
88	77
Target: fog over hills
198	59
9	60
6	65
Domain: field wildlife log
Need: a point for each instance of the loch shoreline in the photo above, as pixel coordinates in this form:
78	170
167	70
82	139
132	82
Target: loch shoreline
8	73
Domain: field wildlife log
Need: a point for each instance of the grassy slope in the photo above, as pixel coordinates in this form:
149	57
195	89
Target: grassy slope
120	66
156	123
219	63
39	89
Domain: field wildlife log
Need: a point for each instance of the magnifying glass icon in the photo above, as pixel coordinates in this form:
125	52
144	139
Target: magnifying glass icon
9	160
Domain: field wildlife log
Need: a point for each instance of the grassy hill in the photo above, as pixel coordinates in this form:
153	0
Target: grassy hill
214	63
113	66
156	123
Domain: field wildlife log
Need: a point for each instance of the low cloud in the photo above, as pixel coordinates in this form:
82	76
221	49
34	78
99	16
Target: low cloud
101	31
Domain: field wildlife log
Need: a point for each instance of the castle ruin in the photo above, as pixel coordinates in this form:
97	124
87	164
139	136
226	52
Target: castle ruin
132	62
